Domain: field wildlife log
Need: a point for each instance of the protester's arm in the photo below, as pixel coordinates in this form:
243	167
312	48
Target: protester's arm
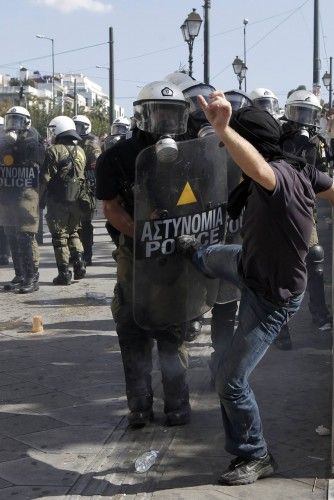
218	112
328	194
118	216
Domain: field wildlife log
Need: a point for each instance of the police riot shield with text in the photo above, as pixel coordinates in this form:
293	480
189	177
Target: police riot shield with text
184	197
229	292
20	160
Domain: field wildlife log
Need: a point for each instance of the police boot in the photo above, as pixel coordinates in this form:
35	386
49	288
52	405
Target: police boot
141	412
30	283
64	276
177	409
17	263
79	267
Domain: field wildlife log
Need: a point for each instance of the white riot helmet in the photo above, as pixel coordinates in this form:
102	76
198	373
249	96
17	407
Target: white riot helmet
161	109
82	124
238	99
120	126
304	108
266	100
17	119
62	126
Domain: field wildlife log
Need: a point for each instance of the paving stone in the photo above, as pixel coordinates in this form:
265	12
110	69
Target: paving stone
99	413
11	449
71	439
30	492
29	471
16	425
42	403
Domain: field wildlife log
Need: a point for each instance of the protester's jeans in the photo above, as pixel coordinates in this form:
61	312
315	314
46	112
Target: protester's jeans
259	324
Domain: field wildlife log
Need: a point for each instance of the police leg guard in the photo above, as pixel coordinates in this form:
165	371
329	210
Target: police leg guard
136	350
174	362
315	286
87	239
16	282
31	275
79	267
4	248
222	329
283	340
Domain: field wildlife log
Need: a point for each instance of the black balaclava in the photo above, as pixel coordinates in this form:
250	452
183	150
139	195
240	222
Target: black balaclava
262	130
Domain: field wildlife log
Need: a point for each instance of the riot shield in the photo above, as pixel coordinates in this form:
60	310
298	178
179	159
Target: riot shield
227	291
19	172
187	196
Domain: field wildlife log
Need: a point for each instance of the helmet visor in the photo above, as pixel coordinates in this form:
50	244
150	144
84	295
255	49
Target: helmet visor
162	117
81	128
305	115
195	111
238	101
119	129
15	122
269	104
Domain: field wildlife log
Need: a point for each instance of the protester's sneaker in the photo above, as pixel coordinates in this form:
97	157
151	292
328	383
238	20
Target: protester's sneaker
246	471
187	245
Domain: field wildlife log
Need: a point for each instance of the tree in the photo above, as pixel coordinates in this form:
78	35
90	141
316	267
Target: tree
99	118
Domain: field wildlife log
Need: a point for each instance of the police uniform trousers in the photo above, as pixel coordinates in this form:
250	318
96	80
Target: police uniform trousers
20	219
86	233
63	220
136	345
315	277
4	245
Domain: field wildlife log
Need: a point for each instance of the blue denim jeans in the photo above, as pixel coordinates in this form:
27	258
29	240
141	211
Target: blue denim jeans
260	322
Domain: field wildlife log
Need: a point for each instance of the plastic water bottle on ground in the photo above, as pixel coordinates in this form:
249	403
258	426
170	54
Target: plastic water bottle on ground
146	460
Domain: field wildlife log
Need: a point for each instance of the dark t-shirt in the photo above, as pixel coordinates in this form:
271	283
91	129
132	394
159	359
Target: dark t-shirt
276	231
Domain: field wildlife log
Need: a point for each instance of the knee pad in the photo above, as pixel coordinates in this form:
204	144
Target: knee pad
315	260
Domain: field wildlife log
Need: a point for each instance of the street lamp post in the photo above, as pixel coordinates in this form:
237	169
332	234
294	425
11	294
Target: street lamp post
53	64
240	69
327	81
245	21
190	29
110	68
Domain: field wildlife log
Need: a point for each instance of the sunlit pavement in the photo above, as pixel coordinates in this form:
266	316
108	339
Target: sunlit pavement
63	412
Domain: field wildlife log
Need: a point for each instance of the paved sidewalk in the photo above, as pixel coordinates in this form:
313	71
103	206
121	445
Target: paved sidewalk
63	429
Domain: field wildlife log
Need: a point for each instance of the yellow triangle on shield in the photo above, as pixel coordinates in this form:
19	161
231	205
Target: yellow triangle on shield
187	196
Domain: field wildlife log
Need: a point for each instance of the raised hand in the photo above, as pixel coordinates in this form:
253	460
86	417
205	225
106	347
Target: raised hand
218	110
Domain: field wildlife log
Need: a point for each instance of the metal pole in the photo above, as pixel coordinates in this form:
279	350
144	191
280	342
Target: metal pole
207	6
111	78
190	45
330	84
53	72
75	97
245	24
316	58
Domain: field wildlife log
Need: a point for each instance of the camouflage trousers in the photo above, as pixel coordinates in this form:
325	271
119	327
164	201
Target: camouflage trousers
136	346
64	223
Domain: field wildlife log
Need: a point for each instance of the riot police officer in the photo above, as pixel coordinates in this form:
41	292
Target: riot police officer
61	180
21	155
301	138
119	130
160	108
266	100
4	246
90	144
